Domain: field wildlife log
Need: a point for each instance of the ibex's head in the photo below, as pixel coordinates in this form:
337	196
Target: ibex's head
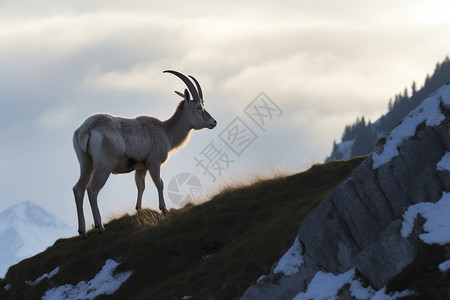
197	115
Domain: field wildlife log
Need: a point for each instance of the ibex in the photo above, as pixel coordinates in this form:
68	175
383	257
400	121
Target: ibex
106	144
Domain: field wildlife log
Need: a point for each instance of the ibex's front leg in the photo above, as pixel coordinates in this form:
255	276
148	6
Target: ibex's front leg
139	177
156	176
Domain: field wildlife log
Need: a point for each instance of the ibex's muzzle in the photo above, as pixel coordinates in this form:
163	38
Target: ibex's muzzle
212	123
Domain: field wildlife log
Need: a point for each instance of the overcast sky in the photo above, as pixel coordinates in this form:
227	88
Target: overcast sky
320	64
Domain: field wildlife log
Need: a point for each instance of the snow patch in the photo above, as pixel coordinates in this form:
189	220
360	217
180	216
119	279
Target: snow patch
345	148
444	266
381	295
325	286
261	279
444	163
49	275
445	95
7	287
359	292
437	225
103	283
291	261
428	112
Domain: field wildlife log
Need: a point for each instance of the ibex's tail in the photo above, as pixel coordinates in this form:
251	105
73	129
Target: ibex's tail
82	135
81	140
80	144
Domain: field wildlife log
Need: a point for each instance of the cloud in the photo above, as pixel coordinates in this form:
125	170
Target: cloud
55	118
323	63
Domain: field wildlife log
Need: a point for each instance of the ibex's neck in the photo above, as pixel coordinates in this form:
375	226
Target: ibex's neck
177	128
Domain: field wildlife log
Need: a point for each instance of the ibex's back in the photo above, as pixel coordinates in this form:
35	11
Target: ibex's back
106	144
125	143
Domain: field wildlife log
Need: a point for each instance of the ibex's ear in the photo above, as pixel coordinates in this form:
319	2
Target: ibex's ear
179	94
187	97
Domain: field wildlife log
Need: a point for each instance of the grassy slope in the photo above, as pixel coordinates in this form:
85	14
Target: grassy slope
213	250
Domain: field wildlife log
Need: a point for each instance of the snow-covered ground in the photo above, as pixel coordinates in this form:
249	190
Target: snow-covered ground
103	283
445	266
437	224
46	275
444	163
291	260
325	286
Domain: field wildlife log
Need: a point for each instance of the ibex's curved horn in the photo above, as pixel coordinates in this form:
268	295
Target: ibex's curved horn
187	82
199	89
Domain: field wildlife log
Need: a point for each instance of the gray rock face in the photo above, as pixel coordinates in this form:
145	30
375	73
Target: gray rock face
386	257
358	224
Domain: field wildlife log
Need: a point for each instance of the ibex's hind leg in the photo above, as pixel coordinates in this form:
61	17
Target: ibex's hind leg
99	179
156	176
139	177
78	191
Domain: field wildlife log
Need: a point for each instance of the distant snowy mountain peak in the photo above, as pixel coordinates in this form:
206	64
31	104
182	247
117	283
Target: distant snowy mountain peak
29	213
25	230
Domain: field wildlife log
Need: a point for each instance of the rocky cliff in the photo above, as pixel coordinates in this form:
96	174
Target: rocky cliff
359	229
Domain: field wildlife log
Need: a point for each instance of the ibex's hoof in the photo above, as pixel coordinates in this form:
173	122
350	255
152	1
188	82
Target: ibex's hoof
164	211
101	228
82	234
